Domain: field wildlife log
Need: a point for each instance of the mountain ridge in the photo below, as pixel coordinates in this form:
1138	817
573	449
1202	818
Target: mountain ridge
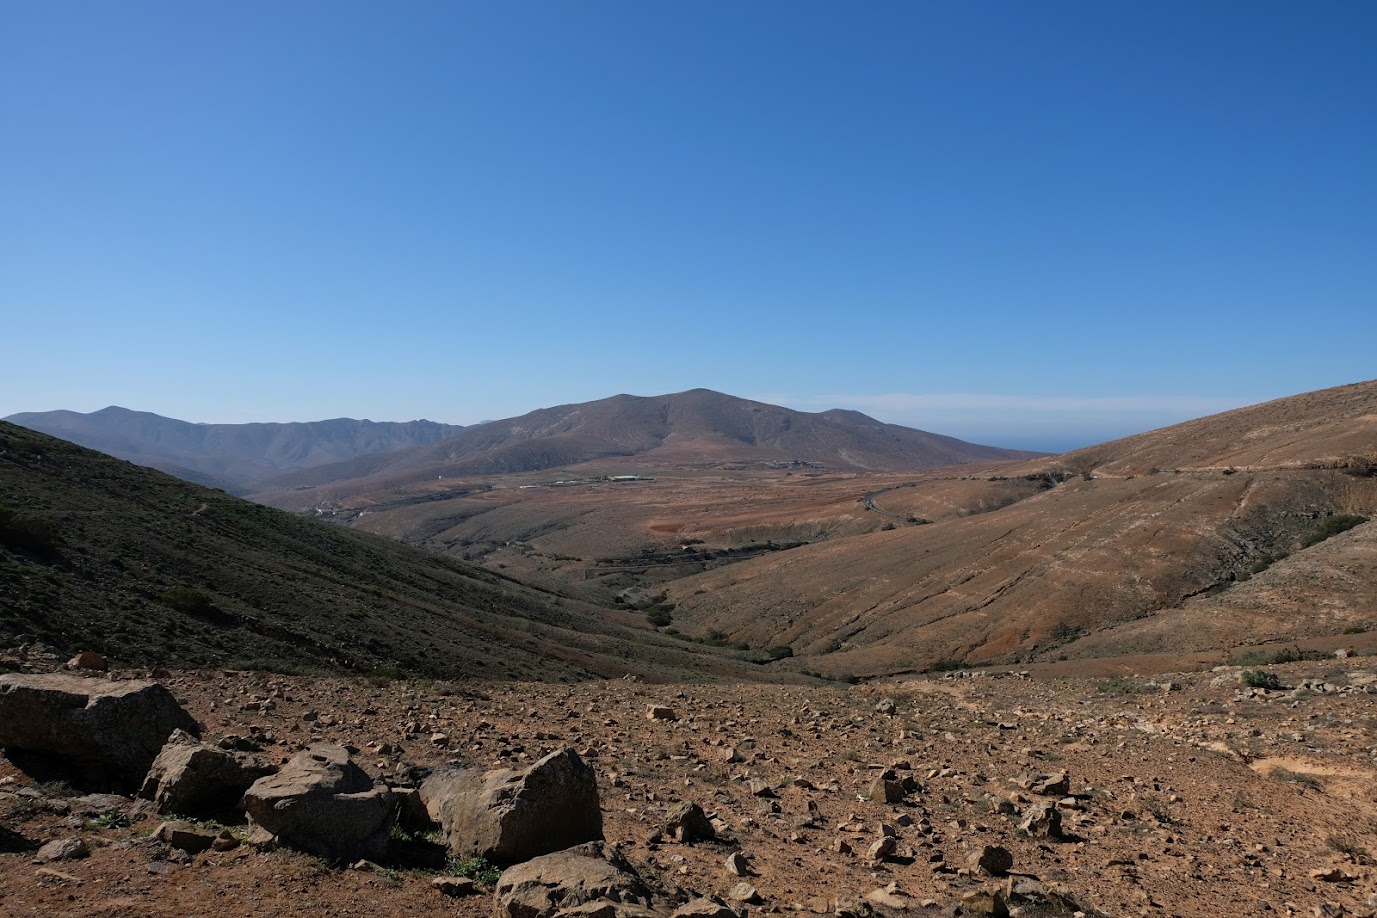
234	457
694	428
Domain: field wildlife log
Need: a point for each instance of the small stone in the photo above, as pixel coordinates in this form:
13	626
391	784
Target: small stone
849	905
225	841
690	824
984	903
888	896
745	892
186	837
993	860
660	712
88	659
883	848
705	907
1055	785
454	886
63	849
737	866
841	846
886	707
1042	821
883	790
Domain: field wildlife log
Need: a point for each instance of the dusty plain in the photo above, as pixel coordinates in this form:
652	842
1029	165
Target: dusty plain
1189	794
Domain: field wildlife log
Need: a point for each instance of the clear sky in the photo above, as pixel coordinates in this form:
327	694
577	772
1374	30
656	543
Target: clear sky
1029	224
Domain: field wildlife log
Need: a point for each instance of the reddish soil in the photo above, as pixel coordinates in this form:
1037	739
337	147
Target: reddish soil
1198	800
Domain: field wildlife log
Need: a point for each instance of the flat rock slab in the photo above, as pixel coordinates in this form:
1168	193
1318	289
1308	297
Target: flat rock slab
113	730
555	884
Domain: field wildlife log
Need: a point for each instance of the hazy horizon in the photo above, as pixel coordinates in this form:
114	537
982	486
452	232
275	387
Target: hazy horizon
1050	425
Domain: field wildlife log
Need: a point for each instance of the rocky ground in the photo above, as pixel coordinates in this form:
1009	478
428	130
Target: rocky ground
1187	794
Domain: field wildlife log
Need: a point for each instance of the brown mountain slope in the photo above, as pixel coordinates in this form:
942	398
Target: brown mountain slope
1109	561
696	429
1331	428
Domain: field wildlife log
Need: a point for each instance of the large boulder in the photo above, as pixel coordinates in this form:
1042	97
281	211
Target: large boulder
101	733
559	883
324	804
510	816
193	779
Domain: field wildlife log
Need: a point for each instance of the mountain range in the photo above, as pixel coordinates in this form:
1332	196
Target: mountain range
860	548
234	457
694	429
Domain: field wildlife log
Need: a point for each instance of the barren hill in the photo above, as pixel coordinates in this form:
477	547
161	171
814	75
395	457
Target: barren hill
1200	536
698	428
99	553
231	456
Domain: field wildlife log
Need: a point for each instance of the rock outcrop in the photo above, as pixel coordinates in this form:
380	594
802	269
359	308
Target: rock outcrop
193	779
510	816
324	804
103	734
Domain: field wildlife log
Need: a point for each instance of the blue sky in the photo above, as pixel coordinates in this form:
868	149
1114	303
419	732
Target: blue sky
1031	224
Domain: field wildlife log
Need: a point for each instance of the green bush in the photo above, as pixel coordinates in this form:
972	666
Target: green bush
1284	655
1118	685
1332	526
1258	678
478	869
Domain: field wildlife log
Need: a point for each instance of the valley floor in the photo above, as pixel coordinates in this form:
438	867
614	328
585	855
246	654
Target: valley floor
1189	795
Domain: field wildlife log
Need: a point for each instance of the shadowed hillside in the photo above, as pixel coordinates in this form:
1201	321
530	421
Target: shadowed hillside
99	553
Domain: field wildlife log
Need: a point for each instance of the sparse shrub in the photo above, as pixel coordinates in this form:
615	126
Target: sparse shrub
1266	561
887	526
1285	774
1332	526
1064	633
1284	655
112	818
1355	629
1259	678
946	665
1118	685
382	675
28	532
659	617
479	869
187	599
780	652
1348	847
